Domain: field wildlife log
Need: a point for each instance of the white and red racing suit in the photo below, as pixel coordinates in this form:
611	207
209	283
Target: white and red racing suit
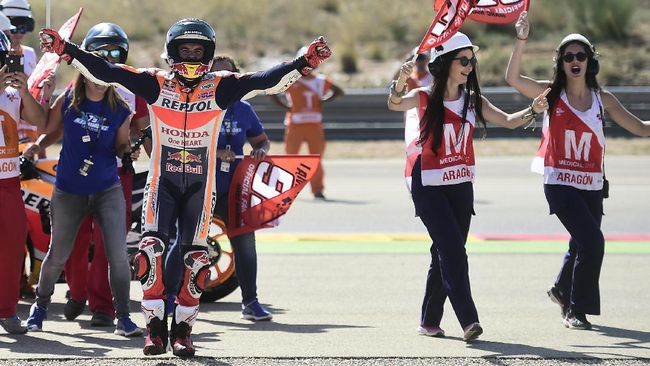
181	182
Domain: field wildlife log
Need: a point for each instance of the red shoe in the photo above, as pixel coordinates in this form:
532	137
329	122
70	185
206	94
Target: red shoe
181	343
155	342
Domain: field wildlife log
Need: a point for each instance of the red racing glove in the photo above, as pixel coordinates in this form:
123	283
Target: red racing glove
51	41
317	52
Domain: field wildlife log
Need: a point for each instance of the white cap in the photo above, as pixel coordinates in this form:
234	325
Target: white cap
16	8
575	37
456	42
5	24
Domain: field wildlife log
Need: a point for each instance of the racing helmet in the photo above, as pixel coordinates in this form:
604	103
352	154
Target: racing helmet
5	46
104	34
20	14
190	30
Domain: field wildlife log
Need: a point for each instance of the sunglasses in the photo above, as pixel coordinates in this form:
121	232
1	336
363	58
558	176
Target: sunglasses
580	56
464	61
21	30
110	53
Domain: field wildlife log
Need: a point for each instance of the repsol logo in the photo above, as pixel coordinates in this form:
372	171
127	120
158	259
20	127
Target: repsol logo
186	134
187	107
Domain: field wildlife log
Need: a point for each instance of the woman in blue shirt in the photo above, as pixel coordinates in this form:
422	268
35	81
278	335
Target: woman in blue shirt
94	120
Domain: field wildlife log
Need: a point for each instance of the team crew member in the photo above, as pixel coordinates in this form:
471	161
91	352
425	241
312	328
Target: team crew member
187	107
90	280
240	125
95	124
443	175
573	152
15	103
304	119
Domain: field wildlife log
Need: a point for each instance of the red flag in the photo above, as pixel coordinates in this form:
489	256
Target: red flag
498	11
49	61
262	191
450	18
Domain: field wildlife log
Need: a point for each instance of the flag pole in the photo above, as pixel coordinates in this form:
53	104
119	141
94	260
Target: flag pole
48	7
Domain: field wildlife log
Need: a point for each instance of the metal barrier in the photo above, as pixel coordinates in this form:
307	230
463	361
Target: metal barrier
362	114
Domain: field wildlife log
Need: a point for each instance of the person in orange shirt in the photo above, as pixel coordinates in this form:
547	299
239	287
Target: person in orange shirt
304	118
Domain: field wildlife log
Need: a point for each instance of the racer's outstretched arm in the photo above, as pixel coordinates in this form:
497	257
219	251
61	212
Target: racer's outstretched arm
100	71
277	79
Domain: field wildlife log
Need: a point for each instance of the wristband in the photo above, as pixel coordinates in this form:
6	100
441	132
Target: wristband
394	92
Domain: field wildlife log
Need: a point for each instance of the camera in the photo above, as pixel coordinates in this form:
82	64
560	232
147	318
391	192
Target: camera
15	63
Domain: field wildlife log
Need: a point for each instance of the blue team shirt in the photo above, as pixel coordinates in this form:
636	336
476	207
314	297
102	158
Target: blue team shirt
240	123
103	174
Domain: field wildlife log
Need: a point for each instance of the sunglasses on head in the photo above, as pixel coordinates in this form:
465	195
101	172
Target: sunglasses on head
464	61
110	53
20	29
568	57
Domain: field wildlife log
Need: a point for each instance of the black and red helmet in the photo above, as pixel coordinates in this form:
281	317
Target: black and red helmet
190	30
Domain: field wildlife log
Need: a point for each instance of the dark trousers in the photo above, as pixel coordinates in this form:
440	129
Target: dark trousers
446	211
581	213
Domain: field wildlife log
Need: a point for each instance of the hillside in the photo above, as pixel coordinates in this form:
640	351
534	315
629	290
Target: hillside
371	36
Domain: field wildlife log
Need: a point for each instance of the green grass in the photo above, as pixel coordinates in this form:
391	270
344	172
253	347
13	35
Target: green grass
370	247
373	35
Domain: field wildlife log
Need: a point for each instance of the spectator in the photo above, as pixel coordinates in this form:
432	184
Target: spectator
15	102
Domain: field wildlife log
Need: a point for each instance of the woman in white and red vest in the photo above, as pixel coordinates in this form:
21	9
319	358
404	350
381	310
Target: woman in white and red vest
443	175
571	159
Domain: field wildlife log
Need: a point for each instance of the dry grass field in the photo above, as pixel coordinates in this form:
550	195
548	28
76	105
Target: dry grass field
371	36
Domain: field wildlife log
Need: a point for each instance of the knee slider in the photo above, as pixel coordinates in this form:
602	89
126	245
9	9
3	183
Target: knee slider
148	263
196	275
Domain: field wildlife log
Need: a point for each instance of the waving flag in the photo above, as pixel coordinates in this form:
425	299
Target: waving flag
49	61
498	11
450	17
262	191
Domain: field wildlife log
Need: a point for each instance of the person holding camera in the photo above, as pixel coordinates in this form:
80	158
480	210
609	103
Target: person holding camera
95	122
574	177
15	103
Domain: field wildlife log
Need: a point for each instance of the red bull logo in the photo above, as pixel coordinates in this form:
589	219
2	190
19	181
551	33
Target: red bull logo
190	70
184	157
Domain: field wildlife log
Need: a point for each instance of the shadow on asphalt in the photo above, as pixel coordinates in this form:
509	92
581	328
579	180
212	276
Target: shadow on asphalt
264	326
501	349
635	340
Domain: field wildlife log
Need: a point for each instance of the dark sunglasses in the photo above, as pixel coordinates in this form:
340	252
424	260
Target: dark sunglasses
21	30
110	53
464	61
568	57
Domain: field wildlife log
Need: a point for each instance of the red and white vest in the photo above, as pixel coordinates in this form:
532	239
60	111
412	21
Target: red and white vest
572	145
9	117
454	161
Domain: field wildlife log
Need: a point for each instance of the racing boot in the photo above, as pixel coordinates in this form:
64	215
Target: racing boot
179	335
154	313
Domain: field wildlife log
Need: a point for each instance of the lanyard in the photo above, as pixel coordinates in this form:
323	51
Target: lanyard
86	138
229	121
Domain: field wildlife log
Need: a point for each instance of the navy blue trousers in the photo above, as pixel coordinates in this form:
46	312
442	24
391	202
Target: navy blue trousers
581	213
446	212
